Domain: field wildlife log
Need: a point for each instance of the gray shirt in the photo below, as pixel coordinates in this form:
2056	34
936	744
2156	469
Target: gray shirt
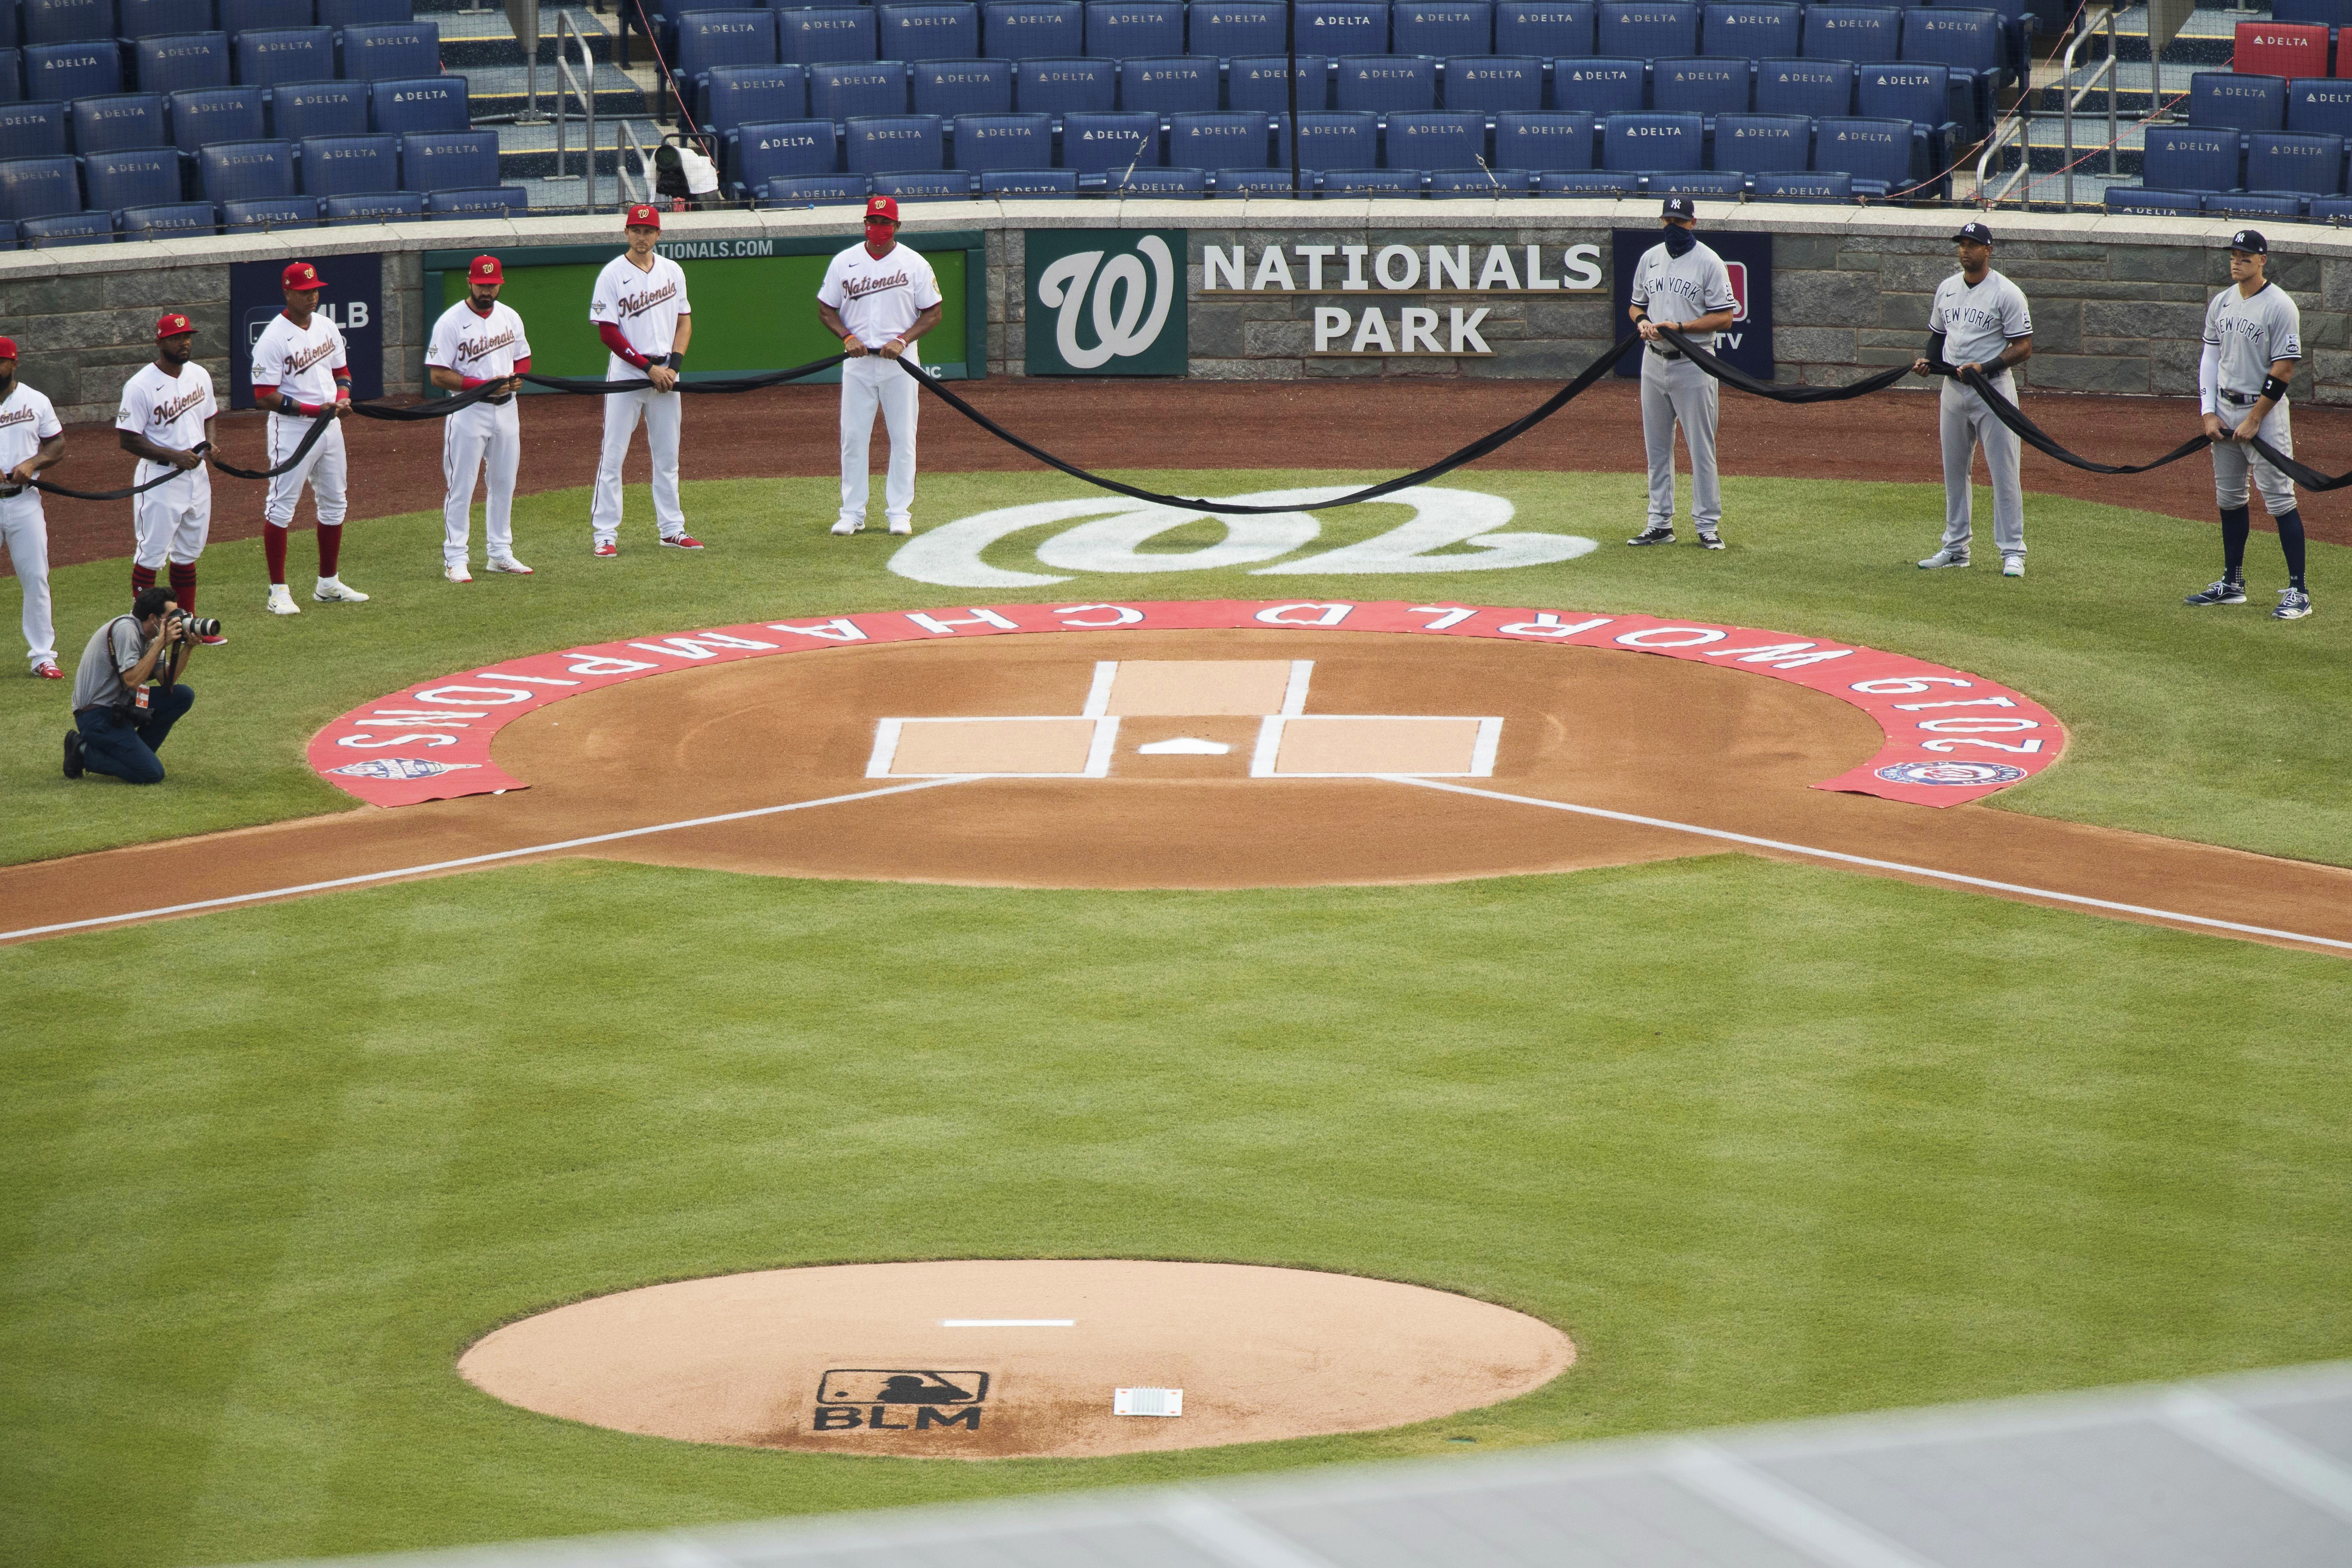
2251	334
1682	287
1978	323
97	679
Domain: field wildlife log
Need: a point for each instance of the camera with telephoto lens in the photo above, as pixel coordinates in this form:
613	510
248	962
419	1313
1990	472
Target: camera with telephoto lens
197	626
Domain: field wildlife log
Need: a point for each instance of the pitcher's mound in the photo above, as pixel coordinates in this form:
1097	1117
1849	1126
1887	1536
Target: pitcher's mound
1008	1359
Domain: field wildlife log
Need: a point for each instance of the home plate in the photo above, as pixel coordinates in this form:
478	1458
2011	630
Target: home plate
1183	746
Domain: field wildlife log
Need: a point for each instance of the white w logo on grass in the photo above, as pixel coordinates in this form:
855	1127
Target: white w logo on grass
1130	307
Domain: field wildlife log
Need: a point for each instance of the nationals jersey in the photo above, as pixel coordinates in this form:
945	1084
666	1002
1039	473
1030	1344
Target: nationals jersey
877	300
298	363
169	410
2251	334
1684	288
26	419
480	347
1979	322
646	305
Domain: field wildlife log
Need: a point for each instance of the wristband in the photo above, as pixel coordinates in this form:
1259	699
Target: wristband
2273	389
310	410
467	383
675	360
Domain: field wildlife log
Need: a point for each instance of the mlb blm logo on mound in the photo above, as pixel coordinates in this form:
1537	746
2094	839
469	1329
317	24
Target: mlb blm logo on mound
898	1399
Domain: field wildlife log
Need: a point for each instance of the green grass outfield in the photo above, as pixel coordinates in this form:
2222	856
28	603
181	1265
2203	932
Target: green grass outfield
1767	1139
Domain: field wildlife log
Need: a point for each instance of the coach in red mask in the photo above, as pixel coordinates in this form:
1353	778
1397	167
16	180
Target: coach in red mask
878	298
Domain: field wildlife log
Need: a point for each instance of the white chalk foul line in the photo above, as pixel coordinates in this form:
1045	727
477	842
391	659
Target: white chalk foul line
1844	859
235	898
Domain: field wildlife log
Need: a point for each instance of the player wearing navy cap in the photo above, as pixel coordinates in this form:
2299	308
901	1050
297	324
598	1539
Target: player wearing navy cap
2253	339
1978	322
1681	284
878	298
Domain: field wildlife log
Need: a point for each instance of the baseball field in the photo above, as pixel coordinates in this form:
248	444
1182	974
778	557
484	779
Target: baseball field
1763	1135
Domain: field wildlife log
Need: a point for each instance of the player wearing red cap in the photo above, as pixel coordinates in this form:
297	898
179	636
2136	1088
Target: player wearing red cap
300	371
878	298
640	310
478	341
31	440
166	414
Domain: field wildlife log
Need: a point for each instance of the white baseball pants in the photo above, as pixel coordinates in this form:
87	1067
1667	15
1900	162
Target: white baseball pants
471	438
661	412
1676	392
1966	423
867	383
323	468
172	522
25	532
2234	460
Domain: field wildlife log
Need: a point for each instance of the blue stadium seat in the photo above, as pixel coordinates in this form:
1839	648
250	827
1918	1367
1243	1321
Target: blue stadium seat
39	187
1441	141
745	95
1793	186
120	120
2324	209
841	91
148	177
216	114
1442	28
1878	153
11	37
375	206
364	13
949	88
1700	84
1467	184
927	185
319	109
1543	141
1104	143
12	80
706	40
419	104
242	16
884	143
1647	28
1174	184
1780	141
2286	162
1116	30
184	62
2232	102
1489	83
66	21
2249	204
1817	88
1033	185
67	71
1547	29
1269	182
1969	41
1589	182
7	234
826	34
1749	29
1919	93
245	171
1330	138
1338	27
1172	84
781	149
490	201
817	191
268	58
1220	140
2319	105
66	228
1653	143
1385	83
412	48
2131	201
172	220
1862	33
448	160
32	130
2189	158
981	143
1074	86
270	213
1723	185
1033	29
1261	82
1228	28
1392	183
1597	86
940	32
348	167
154	18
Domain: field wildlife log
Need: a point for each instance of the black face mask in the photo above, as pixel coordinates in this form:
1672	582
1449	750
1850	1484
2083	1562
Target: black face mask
1679	240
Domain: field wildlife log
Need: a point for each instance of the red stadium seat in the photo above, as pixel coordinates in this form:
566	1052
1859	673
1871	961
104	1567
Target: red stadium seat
2269	48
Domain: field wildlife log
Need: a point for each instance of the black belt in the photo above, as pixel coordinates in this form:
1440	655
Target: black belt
2241	396
1668	353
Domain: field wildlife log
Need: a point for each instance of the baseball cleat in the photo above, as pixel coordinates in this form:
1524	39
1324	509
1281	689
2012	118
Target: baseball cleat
2012	565
457	574
1943	558
2224	592
1654	536
2293	605
73	754
48	670
281	602
1710	539
682	542
902	525
606	549
331	591
509	565
848	526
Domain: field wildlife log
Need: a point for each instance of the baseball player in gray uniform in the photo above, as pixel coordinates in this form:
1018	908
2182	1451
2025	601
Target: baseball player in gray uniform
1978	322
2253	337
1685	285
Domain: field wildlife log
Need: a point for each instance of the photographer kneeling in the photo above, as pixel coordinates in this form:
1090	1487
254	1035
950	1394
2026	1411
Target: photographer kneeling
121	721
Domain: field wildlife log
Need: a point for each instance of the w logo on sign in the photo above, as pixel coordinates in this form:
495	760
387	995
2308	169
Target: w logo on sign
1106	303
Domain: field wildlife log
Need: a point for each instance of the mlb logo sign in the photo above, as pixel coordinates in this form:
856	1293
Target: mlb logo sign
1738	271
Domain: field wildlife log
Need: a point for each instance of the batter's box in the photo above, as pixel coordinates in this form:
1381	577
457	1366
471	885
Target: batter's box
1355	745
1025	748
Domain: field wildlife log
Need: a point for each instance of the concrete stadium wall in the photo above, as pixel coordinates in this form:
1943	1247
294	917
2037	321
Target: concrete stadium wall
2118	303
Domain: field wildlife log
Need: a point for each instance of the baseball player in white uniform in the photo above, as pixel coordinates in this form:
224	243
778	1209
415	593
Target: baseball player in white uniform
166	422
1685	285
1978	322
641	313
478	341
2253	339
300	371
31	439
878	298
